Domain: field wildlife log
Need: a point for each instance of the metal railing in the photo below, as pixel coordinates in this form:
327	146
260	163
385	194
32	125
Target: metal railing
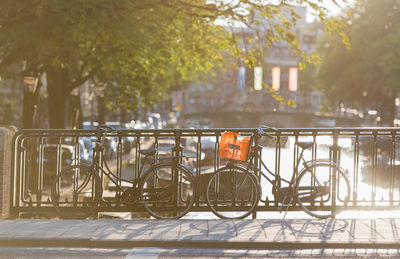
370	155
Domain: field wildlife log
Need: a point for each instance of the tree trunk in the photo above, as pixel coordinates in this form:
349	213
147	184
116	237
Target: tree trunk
388	109
58	90
392	107
75	111
122	117
101	110
30	106
27	110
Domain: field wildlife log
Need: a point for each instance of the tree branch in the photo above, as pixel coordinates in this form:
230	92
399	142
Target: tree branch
79	81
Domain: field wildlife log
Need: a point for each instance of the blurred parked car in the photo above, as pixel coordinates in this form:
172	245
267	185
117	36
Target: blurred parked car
154	120
165	147
90	125
62	155
86	148
127	142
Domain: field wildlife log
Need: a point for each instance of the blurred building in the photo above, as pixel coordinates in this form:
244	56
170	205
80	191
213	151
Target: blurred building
275	84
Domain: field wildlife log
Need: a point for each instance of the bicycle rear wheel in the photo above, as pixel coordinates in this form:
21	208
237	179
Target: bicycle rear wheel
322	190
232	193
167	191
76	192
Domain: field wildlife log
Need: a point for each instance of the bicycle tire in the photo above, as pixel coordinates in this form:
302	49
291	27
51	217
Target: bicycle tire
314	190
233	193
76	192
166	198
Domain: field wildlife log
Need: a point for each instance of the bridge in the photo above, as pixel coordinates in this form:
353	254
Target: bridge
370	155
252	108
242	118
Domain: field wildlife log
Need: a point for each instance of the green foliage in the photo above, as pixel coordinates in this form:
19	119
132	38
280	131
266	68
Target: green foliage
365	74
8	113
139	50
279	98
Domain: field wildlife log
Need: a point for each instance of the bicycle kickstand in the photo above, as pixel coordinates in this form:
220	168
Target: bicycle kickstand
287	206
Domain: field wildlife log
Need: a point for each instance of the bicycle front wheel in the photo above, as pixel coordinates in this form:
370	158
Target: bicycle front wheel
322	190
232	193
167	191
76	192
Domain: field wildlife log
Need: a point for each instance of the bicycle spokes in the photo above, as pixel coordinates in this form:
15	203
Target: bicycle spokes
167	191
157	193
322	190
232	193
76	192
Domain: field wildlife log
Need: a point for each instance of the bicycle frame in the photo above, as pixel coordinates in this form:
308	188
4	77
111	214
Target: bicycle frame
276	182
99	156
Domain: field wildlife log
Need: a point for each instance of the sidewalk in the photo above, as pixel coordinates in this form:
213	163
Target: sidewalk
217	234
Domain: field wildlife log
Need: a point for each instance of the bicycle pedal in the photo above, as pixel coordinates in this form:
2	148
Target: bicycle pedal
290	204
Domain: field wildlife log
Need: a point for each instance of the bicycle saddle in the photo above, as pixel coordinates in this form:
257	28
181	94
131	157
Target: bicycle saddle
305	145
147	152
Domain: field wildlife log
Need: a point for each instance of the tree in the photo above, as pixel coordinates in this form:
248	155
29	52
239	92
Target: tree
367	74
137	49
8	112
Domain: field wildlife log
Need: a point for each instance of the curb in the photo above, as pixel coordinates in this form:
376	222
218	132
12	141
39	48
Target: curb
101	243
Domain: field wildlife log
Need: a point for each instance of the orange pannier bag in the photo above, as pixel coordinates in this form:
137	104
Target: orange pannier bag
231	147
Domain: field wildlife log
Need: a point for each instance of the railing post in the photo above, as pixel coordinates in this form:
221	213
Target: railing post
356	164
6	136
374	165
392	166
177	149
177	154
137	155
216	149
277	163
198	169
257	162
335	158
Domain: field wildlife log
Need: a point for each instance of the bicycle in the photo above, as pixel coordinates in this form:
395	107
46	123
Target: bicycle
166	189
321	188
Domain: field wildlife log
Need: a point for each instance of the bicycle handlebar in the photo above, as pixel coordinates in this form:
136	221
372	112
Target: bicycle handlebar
104	129
263	128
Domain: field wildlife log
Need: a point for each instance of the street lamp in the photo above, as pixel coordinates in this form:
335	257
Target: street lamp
29	103
30	83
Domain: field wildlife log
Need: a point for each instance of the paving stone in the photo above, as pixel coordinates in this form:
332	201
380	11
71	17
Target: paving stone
249	230
365	230
388	228
339	230
13	227
167	230
278	231
394	228
111	229
393	252
360	251
329	251
144	252
193	230
218	229
79	230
